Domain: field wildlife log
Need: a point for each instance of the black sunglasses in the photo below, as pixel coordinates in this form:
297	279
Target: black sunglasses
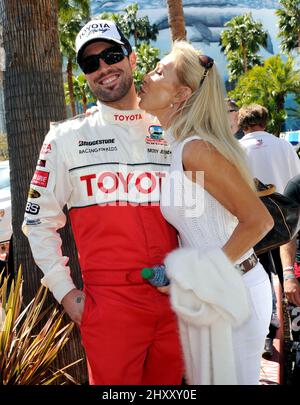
207	62
110	56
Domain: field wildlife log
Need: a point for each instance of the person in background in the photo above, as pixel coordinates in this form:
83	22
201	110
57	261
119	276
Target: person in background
233	113
290	258
185	92
273	161
128	328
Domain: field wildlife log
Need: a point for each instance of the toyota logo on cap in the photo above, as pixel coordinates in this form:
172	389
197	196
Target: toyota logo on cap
99	30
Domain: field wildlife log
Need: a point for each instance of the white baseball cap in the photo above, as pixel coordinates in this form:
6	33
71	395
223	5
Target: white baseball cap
99	30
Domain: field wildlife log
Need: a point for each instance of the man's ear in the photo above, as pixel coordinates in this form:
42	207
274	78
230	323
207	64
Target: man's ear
132	60
183	94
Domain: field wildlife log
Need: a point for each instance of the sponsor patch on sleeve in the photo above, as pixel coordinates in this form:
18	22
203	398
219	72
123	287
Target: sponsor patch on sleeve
41	163
32	221
33	193
40	178
32	208
46	148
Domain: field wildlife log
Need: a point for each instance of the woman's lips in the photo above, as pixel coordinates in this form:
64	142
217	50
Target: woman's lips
142	90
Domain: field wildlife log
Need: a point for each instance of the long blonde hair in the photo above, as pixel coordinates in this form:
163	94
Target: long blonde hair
204	112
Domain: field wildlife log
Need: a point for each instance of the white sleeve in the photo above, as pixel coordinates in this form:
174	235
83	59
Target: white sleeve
49	191
293	162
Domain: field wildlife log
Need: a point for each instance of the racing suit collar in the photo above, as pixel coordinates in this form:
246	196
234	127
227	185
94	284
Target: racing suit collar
120	117
168	136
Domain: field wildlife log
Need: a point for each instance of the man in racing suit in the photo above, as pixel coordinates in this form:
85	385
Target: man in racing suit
107	167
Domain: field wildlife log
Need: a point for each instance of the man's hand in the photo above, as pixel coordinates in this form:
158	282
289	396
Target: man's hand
73	304
292	291
164	289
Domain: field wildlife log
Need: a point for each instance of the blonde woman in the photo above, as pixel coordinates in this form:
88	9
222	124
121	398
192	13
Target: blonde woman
186	95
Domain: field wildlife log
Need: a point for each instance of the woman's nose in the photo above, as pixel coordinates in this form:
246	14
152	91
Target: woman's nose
146	78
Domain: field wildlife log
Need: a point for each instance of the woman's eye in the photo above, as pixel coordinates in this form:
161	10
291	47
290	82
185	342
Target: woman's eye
158	72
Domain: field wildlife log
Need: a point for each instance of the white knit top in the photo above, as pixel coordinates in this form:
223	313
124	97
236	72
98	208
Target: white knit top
200	219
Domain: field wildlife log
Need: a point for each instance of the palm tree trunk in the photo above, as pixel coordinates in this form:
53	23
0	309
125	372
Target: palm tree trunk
280	98
245	59
176	19
135	36
33	93
84	102
70	86
280	102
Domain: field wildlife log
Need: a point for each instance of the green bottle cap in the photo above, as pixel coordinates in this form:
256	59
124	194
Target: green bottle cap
147	272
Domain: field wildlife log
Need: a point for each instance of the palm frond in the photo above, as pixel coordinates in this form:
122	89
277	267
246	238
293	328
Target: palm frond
30	338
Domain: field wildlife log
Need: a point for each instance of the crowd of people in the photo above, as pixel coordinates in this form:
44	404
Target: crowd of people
184	197
273	161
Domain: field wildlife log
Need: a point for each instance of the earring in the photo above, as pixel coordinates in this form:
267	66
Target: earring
172	105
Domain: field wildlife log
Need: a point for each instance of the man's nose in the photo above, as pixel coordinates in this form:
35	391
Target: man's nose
103	64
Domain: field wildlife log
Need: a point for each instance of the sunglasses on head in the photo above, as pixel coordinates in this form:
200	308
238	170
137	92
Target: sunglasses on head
230	100
110	56
231	105
207	62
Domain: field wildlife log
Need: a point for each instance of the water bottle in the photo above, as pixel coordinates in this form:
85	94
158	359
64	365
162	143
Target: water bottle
156	275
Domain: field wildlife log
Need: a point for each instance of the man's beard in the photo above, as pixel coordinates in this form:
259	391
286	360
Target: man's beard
117	94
